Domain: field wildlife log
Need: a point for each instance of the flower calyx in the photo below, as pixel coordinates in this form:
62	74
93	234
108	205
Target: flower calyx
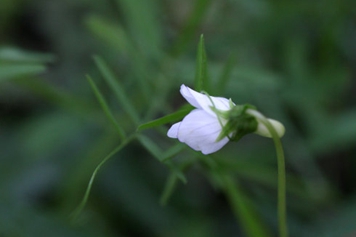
239	123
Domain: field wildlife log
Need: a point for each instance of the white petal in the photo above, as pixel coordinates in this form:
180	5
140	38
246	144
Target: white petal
199	130
173	131
263	131
204	102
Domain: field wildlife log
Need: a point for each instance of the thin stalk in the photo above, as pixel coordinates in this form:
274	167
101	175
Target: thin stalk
74	215
282	210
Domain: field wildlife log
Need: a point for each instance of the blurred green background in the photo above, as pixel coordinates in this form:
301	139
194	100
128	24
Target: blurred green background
294	60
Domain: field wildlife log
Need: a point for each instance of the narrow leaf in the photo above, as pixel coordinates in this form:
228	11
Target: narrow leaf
177	171
12	71
244	210
151	147
166	119
109	33
117	88
106	108
173	151
16	55
201	81
169	188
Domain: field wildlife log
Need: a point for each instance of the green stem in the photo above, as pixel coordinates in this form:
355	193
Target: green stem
282	211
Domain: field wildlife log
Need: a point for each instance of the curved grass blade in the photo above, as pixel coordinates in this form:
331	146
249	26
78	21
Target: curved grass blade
106	108
74	215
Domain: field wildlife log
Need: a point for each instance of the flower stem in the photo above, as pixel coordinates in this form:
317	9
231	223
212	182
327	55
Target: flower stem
282	211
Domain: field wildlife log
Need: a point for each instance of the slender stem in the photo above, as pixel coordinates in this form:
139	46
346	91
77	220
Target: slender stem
282	210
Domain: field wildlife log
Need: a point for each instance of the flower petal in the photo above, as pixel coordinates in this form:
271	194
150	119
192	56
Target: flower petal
173	131
199	130
204	102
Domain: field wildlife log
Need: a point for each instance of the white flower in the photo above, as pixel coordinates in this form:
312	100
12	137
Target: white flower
201	128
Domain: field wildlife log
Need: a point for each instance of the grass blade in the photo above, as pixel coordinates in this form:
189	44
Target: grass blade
74	215
151	147
166	119
106	108
169	188
109	33
117	88
244	211
8	72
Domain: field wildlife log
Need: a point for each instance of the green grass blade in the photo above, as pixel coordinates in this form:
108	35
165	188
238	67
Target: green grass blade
145	29
74	215
201	73
191	26
151	146
166	119
109	33
176	174
177	171
106	108
16	55
118	89
244	210
168	190
173	151
8	72
242	207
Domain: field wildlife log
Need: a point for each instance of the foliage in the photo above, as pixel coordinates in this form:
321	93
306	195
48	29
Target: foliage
85	81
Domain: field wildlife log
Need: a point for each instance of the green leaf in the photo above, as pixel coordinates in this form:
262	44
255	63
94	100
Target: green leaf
151	147
109	32
201	73
106	108
173	151
171	183
116	36
177	170
166	119
11	71
147	36
244	209
177	173
117	88
15	55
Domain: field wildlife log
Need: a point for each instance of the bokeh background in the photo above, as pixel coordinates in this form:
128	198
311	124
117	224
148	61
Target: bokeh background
294	60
